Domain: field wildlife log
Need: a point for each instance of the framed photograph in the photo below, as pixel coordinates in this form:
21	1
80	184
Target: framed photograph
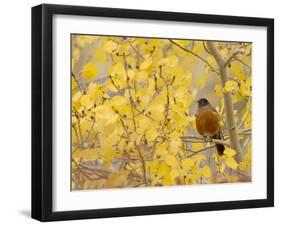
145	112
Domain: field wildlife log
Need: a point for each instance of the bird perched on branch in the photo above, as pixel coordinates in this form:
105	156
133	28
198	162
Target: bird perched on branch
207	122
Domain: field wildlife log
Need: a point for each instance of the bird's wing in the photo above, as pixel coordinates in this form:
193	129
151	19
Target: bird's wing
219	118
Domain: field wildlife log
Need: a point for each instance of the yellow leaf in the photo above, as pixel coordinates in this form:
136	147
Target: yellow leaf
229	152
110	46
223	157
230	86
131	74
167	180
156	110
151	134
249	81
86	101
197	146
174	173
218	90
246	87
118	70
73	83
154	165
109	155
171	160
164	169
206	171
142	80
94	91
242	166
161	149
111	86
143	124
118	102
187	163
76	100
198	158
174	136
222	168
236	70
172	61
174	147
90	70
146	64
231	163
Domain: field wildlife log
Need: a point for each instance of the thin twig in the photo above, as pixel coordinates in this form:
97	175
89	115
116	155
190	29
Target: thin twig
243	63
82	91
202	140
136	51
168	100
194	54
130	93
201	150
231	56
246	113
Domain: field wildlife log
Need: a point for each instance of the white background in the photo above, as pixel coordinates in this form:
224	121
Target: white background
15	92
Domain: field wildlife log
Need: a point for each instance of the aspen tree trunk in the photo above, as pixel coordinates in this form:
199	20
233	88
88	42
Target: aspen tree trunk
231	124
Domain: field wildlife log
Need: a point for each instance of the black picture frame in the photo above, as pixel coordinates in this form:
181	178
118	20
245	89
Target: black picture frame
42	196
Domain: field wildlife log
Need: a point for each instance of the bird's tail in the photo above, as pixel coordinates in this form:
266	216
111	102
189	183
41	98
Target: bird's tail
220	147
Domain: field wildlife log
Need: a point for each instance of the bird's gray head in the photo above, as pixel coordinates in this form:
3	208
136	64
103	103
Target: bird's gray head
203	102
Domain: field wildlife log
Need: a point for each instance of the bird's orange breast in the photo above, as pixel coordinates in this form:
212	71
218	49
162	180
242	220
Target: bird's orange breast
207	122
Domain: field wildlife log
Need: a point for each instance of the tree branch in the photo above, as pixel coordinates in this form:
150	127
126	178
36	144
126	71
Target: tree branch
136	51
231	125
201	150
194	139
194	54
231	56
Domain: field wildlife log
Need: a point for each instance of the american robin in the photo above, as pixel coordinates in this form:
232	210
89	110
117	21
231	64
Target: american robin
207	122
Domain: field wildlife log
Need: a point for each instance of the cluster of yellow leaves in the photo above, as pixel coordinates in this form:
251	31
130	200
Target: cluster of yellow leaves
168	169
131	101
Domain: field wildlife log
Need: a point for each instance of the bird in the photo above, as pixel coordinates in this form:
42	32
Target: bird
207	123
